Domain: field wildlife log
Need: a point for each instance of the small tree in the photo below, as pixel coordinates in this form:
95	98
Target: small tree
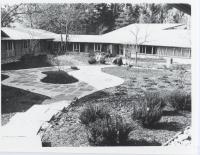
140	37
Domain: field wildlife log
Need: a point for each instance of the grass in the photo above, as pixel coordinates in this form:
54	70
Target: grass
68	131
58	77
15	100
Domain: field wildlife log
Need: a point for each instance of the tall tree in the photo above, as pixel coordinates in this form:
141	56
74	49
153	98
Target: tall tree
9	14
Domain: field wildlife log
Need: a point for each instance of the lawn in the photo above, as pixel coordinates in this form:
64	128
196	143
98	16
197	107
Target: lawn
66	129
15	100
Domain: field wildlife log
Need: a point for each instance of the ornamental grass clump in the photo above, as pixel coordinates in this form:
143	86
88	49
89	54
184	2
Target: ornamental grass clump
180	100
112	131
149	110
92	113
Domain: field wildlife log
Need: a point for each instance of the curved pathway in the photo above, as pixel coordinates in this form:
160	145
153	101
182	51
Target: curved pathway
21	131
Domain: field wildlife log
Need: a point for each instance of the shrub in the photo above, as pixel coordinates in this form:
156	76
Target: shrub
92	113
180	100
110	131
150	108
92	60
102	60
74	68
118	61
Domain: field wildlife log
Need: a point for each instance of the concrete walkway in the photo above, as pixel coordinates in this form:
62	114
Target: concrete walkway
22	129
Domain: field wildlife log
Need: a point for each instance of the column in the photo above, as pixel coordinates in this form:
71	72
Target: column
152	50
145	50
166	51
181	52
86	47
94	47
100	47
124	50
79	47
73	47
13	48
173	51
111	51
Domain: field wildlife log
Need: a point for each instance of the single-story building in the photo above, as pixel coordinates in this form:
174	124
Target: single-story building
162	40
16	42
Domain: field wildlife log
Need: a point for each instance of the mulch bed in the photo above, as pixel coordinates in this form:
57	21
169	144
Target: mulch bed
58	77
66	130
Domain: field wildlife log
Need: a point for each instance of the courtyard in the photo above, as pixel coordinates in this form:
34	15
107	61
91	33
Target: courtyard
117	88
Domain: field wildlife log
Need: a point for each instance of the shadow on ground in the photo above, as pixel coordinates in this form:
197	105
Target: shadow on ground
142	142
170	126
18	100
172	113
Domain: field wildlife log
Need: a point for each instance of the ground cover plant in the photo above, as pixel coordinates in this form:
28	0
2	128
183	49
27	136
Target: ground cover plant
58	77
121	101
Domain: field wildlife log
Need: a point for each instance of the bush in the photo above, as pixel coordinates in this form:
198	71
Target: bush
92	60
92	113
180	100
118	61
74	68
150	108
102	60
109	132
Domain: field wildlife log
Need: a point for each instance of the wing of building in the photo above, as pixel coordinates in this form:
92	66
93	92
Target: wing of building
162	40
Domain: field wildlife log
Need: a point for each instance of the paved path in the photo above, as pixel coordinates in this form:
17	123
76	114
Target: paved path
21	131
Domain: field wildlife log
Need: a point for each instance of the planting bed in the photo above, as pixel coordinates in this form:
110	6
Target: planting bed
67	129
58	77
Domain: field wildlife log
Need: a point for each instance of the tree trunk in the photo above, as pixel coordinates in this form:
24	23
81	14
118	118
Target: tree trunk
136	51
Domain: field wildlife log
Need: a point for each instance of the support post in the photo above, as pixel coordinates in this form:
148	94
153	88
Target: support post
100	47
181	52
73	47
124	51
190	53
145	50
94	47
152	50
13	49
79	47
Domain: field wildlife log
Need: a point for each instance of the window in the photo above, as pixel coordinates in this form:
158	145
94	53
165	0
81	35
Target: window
9	45
97	47
25	44
10	49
